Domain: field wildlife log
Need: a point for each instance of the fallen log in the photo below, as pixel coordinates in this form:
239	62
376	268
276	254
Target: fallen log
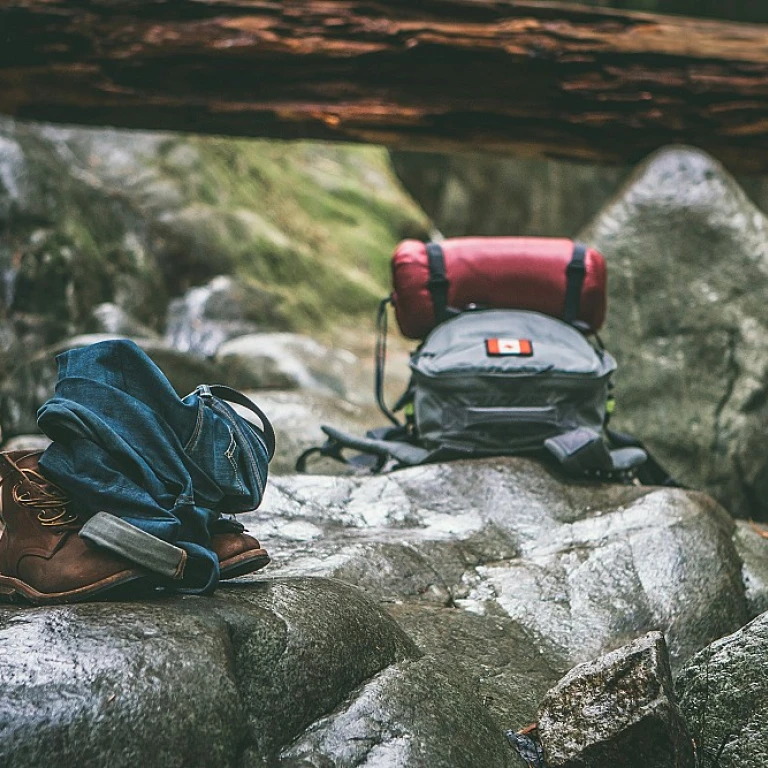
542	78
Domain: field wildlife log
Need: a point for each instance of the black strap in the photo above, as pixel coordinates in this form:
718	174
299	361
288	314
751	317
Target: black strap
371	459
233	396
583	452
381	358
332	449
579	451
574	280
375	452
438	282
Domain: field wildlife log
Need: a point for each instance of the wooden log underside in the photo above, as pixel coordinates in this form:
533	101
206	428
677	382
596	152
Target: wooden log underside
542	78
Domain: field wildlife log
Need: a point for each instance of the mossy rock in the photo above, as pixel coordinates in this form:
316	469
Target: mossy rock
134	218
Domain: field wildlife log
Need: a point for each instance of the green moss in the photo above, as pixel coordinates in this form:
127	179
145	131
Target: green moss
134	218
316	222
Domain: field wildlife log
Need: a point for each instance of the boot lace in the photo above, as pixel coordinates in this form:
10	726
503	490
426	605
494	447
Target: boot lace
50	502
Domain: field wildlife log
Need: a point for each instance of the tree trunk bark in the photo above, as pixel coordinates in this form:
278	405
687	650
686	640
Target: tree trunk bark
543	78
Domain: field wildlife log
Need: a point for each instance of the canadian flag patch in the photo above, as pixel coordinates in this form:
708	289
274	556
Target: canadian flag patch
518	347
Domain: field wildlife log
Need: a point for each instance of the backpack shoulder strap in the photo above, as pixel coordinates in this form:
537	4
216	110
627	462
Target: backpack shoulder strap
583	452
651	472
374	453
580	451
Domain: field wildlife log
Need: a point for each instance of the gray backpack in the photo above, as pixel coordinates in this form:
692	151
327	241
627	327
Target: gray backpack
505	381
496	382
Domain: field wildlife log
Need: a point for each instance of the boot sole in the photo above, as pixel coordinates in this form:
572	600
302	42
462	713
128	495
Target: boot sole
239	565
11	589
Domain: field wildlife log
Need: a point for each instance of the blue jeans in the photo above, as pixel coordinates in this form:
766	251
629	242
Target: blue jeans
126	444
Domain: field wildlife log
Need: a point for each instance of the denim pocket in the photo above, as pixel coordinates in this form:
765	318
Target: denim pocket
215	449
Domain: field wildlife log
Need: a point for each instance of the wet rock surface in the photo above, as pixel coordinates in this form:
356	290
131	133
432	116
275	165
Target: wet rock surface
618	710
751	542
78	684
687	258
569	570
367	730
510	668
228	680
492	579
723	694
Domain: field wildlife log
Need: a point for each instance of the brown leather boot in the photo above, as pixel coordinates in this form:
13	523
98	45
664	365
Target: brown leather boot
238	554
42	558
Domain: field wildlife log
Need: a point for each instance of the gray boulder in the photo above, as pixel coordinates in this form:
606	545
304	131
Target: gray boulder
471	193
751	542
618	710
289	361
113	319
510	666
501	551
481	194
500	574
687	257
209	315
723	694
447	725
227	681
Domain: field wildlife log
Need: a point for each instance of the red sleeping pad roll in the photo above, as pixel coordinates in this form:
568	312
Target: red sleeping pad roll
554	276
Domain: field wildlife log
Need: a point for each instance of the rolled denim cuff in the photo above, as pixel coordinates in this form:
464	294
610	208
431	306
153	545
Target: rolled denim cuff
138	546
